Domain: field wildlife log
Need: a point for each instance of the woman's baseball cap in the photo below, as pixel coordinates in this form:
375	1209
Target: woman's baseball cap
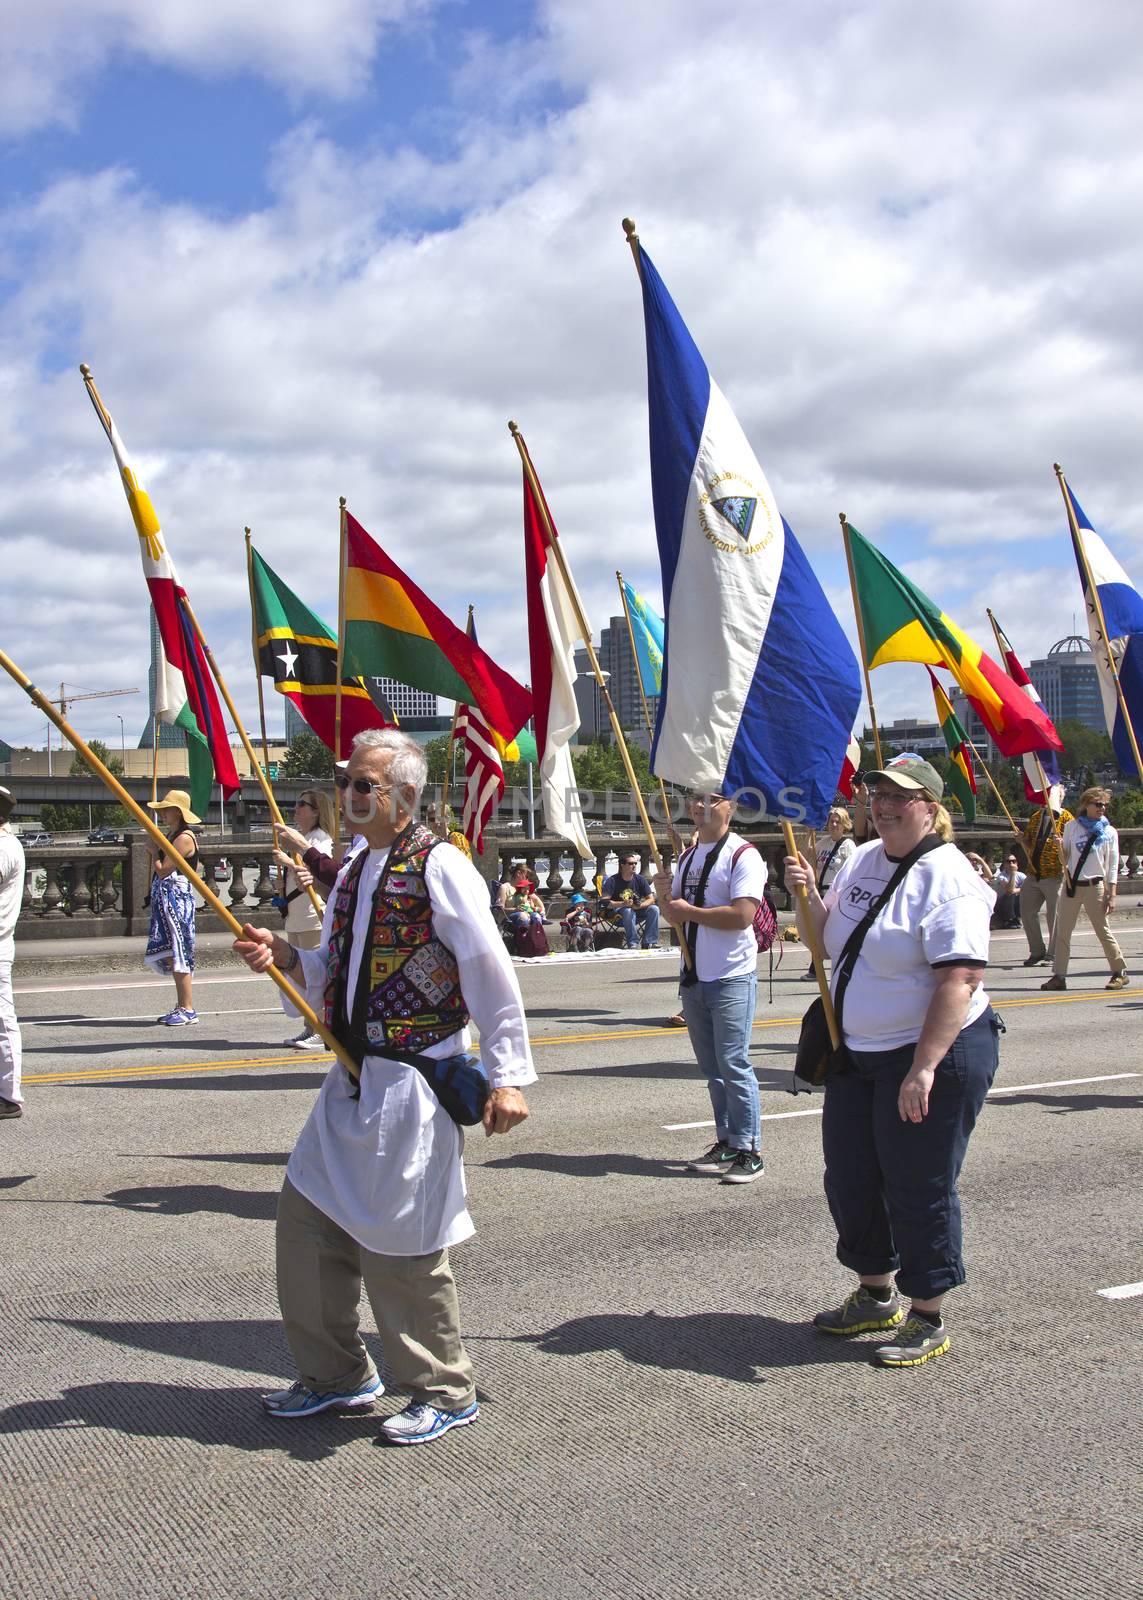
910	773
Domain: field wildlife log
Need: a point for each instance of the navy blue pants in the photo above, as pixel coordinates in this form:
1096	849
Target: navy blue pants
891	1185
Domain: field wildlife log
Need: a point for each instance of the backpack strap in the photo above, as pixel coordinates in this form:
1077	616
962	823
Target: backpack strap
828	862
1071	879
690	932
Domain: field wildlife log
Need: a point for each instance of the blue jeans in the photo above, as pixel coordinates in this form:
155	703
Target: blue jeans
635	917
719	1018
891	1185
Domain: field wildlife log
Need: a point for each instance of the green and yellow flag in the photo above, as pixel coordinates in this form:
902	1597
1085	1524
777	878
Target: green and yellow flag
961	780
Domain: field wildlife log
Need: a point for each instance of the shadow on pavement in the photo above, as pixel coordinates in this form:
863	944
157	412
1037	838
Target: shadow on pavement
185	1199
14	1183
247	1344
1058	1103
622	1165
768	1077
165	1039
247	1081
178	1411
719	1344
244	1158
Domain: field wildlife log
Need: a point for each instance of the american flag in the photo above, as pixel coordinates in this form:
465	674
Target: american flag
483	772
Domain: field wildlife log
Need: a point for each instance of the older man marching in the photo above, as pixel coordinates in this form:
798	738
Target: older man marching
374	1191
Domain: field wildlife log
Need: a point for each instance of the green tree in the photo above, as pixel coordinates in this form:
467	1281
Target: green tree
1084	747
1126	809
307	757
70	816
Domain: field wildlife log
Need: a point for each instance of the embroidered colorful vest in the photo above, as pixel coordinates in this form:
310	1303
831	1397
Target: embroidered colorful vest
413	997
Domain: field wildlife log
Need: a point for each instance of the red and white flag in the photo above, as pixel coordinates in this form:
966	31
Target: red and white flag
1034	760
553	633
483	766
849	766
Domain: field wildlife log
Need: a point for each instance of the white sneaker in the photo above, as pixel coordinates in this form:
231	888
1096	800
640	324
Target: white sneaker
307	1041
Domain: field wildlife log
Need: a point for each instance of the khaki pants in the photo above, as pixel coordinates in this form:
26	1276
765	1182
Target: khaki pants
320	1273
1034	893
1090	897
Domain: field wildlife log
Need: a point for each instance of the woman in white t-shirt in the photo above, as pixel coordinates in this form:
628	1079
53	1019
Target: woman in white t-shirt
313	818
922	1046
833	852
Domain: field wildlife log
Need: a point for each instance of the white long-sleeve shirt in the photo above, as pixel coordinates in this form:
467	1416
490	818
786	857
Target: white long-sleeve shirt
386	1165
1103	858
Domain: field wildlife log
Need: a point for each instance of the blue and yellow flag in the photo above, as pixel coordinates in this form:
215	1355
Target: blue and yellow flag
647	632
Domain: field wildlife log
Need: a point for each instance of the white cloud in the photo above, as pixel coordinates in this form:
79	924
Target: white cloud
54	48
910	250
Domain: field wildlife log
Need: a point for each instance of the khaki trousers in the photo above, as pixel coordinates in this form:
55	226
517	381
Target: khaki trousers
1034	893
320	1273
1090	897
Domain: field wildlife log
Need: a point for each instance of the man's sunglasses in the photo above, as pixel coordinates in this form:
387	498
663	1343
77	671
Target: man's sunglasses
360	785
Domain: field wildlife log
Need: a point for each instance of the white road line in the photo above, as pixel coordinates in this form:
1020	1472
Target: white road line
1015	1088
1125	1291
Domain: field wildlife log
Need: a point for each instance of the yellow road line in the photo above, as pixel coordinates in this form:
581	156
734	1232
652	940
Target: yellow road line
172	1070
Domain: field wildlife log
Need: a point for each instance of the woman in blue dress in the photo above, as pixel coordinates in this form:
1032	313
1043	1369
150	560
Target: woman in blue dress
170	942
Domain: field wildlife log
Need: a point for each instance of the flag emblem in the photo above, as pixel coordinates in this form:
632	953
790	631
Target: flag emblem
736	500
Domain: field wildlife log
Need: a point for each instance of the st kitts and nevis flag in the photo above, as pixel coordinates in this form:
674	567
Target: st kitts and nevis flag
299	652
760	687
393	630
961	780
1048	760
901	623
485	753
184	691
647	631
1122	607
553	634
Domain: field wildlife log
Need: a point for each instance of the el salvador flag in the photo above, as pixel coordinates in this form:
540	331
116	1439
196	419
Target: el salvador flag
760	687
1122	607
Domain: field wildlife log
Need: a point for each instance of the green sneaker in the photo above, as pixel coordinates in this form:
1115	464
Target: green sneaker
916	1342
861	1312
715	1161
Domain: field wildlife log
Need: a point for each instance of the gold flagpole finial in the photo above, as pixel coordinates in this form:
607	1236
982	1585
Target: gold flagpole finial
85	370
630	231
513	429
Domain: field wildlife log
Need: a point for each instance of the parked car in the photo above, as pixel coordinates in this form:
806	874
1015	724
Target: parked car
221	870
38	837
103	836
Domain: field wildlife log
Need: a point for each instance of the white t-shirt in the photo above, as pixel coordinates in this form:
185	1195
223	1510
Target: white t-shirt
11	890
938	916
837	859
719	953
1002	886
1102	860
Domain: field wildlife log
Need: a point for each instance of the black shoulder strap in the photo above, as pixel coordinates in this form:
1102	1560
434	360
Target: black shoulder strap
852	949
690	933
827	863
1072	878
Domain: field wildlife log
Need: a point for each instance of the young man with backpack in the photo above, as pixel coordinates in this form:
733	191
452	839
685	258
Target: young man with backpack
712	900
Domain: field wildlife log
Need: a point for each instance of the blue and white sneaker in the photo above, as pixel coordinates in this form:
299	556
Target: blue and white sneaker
418	1424
180	1017
298	1401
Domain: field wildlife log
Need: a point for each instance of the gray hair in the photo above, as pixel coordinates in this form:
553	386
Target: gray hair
408	765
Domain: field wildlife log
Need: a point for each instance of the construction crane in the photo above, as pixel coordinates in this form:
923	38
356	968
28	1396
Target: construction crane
67	698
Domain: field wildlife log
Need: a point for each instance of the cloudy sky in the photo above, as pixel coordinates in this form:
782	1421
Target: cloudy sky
330	247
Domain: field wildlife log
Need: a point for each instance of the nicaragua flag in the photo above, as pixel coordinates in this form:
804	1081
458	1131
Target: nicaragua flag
760	687
1122	607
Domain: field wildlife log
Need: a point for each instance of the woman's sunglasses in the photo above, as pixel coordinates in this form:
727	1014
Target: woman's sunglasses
360	785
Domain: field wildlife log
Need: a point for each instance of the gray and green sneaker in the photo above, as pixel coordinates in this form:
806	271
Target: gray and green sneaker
915	1343
717	1160
861	1312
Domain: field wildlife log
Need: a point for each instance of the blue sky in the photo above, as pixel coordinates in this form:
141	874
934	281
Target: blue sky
333	246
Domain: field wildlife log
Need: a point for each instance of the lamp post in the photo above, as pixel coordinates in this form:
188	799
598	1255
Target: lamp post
122	742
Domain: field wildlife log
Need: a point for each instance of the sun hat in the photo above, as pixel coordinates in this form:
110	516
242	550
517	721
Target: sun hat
578	900
175	797
909	772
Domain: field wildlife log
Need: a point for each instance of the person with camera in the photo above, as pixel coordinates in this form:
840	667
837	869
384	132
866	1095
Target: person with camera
921	1051
313	830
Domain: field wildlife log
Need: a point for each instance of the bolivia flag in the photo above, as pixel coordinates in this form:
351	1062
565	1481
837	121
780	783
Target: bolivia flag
184	692
961	780
298	651
901	623
393	630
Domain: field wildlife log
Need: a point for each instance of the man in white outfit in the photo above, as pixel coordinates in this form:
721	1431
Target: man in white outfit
374	1191
11	899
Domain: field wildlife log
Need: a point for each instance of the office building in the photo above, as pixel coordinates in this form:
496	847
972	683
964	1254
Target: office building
617	660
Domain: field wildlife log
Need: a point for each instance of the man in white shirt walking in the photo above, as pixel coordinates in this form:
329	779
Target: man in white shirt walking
711	899
11	899
374	1190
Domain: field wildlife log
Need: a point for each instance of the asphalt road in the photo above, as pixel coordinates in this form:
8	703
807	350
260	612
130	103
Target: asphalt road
657	1419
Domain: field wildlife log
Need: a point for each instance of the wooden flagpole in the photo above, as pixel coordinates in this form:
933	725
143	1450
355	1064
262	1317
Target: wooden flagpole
251	754
983	764
860	636
342	549
1096	605
254	649
149	826
451	742
154	757
642	694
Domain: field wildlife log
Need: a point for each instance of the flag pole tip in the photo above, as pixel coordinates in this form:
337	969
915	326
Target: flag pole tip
247	532
341	501
629	230
1057	469
512	428
85	369
841	517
